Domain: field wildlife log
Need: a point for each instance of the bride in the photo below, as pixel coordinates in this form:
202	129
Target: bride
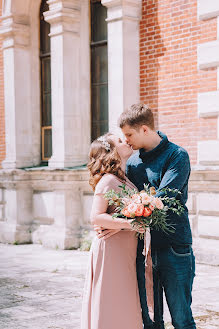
111	296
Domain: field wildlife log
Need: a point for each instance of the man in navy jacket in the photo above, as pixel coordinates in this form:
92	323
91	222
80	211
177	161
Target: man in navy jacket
161	163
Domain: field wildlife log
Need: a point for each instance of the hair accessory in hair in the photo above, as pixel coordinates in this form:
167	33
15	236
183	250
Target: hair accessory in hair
106	144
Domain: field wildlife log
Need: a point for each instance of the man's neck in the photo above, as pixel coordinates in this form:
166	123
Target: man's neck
155	140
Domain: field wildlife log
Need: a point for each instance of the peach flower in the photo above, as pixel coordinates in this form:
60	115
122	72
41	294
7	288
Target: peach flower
140	209
136	198
125	212
158	203
132	207
146	199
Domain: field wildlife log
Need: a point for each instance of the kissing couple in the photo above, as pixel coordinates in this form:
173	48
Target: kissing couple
121	286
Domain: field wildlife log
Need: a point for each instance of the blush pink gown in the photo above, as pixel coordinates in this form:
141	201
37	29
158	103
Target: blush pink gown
111	296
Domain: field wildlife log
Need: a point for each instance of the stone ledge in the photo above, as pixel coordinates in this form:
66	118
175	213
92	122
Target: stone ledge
208	9
206	251
208	152
208	104
30	174
208	55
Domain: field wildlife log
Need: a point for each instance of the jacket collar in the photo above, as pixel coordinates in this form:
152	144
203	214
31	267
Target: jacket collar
157	150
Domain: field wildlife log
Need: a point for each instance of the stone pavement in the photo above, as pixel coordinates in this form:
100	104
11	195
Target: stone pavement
42	289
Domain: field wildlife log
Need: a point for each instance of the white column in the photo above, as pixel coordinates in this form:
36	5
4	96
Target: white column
20	152
70	122
64	233
123	56
18	214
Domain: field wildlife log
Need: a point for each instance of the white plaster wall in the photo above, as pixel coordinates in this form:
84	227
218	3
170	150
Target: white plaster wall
208	226
208	202
11	207
191	203
43	206
208	9
208	152
87	200
208	104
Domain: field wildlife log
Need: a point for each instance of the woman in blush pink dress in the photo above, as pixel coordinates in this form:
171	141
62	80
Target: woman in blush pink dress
111	296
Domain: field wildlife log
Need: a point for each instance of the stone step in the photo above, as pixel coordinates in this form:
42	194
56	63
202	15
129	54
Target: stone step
206	251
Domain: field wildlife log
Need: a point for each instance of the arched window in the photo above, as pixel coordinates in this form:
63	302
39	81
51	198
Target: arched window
46	114
99	70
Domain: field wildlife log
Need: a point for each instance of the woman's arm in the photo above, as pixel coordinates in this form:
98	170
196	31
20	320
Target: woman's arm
100	217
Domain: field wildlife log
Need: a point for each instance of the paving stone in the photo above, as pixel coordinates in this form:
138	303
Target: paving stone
42	289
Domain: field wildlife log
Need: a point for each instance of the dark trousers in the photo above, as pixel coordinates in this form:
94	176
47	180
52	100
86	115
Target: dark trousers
173	274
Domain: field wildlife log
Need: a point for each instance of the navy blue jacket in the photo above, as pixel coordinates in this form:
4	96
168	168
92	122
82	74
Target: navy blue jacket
167	165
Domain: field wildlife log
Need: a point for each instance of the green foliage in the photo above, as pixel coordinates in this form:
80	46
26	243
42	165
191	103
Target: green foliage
86	241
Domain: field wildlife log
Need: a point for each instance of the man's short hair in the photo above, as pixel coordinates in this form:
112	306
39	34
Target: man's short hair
137	115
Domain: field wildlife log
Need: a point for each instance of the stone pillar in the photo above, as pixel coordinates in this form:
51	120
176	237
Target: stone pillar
20	149
123	56
16	227
64	233
70	122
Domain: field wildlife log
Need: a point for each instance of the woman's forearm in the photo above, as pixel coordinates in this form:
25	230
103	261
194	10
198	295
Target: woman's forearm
107	221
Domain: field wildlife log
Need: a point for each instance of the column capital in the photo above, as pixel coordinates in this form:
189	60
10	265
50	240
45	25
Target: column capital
15	31
122	9
63	16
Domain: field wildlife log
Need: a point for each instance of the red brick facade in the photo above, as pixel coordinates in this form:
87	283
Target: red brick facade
2	112
169	78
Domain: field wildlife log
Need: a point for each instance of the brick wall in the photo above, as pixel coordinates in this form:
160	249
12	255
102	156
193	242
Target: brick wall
2	112
169	78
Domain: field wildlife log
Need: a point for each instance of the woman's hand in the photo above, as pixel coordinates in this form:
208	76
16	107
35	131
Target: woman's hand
104	233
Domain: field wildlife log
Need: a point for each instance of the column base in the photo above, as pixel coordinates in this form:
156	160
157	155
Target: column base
67	163
56	237
15	234
16	164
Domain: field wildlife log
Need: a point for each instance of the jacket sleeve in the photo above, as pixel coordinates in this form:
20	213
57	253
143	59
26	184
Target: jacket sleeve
176	174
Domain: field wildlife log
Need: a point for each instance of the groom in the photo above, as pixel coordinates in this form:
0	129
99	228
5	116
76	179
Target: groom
160	163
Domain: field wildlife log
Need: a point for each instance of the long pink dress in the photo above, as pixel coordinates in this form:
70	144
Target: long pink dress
111	296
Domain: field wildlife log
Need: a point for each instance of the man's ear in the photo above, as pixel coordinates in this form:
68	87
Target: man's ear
145	129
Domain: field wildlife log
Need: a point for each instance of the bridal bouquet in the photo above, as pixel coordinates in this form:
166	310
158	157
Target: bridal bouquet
144	207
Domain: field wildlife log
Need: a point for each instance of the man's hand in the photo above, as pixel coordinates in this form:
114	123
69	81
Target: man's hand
104	233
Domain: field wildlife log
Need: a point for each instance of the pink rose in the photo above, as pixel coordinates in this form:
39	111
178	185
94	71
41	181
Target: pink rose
146	199
132	207
158	203
136	198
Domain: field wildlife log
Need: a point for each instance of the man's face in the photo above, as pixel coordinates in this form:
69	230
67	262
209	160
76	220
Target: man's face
134	137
